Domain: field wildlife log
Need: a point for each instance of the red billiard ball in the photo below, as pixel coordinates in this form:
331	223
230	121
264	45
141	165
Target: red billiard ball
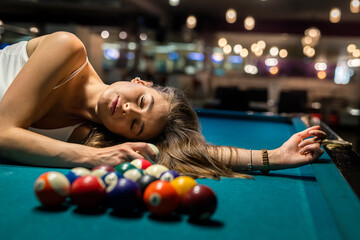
52	188
141	163
199	202
74	173
88	191
161	198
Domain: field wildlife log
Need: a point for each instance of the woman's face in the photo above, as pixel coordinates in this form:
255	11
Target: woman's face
133	110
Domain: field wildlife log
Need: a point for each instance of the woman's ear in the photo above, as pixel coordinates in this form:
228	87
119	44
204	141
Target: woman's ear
142	82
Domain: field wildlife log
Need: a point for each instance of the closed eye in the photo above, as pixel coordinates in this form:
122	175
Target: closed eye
132	124
141	102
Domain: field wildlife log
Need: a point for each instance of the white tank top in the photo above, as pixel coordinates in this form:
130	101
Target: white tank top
12	59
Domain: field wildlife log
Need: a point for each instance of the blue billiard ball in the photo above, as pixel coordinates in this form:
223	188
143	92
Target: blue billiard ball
124	195
111	178
76	173
169	175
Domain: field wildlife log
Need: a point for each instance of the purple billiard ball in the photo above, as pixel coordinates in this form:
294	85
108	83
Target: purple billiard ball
169	175
124	195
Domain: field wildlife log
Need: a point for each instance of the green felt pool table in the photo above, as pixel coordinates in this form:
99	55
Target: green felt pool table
311	202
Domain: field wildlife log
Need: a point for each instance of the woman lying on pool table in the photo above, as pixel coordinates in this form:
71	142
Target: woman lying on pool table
56	111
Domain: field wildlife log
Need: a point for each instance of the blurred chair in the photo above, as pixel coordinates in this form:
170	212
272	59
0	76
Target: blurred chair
294	101
258	98
231	98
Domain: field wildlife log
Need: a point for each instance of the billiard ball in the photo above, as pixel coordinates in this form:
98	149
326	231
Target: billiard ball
169	175
124	195
199	202
101	170
104	167
156	150
74	173
161	198
123	167
88	192
156	170
133	174
183	184
145	181
141	163
111	177
52	188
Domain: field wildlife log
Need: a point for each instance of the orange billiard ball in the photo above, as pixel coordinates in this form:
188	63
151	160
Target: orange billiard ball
52	188
161	198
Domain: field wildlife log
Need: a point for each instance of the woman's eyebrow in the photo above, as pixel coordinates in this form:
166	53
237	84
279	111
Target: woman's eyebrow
148	109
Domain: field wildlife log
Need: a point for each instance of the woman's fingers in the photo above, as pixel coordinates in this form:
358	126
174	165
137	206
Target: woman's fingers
318	133
313	149
306	133
310	141
142	150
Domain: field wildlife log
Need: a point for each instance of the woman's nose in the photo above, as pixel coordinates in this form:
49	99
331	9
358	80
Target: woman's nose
128	108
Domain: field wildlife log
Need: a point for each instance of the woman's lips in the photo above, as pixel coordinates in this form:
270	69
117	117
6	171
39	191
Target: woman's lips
114	105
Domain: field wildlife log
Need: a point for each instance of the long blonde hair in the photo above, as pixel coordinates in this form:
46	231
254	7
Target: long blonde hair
182	147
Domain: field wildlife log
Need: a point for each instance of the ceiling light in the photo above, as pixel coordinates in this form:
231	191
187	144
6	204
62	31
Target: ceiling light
283	53
122	35
351	48
254	47
270	62
174	3
321	74
222	42
274	51
355	6
231	15
335	15
320	66
244	53
274	70
356	53
227	49
261	44
143	36
251	69
249	23
191	21
105	34
237	48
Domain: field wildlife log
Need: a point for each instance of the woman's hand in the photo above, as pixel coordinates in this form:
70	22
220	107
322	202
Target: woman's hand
301	149
117	154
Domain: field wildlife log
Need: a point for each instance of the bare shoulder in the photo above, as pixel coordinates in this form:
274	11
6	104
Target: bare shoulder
80	133
67	42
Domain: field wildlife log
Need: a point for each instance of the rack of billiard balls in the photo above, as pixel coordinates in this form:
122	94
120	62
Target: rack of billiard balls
127	188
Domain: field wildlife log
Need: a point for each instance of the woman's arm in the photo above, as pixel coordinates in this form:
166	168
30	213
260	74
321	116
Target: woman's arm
299	150
23	146
52	59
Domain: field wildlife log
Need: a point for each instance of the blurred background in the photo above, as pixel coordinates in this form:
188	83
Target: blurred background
273	56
